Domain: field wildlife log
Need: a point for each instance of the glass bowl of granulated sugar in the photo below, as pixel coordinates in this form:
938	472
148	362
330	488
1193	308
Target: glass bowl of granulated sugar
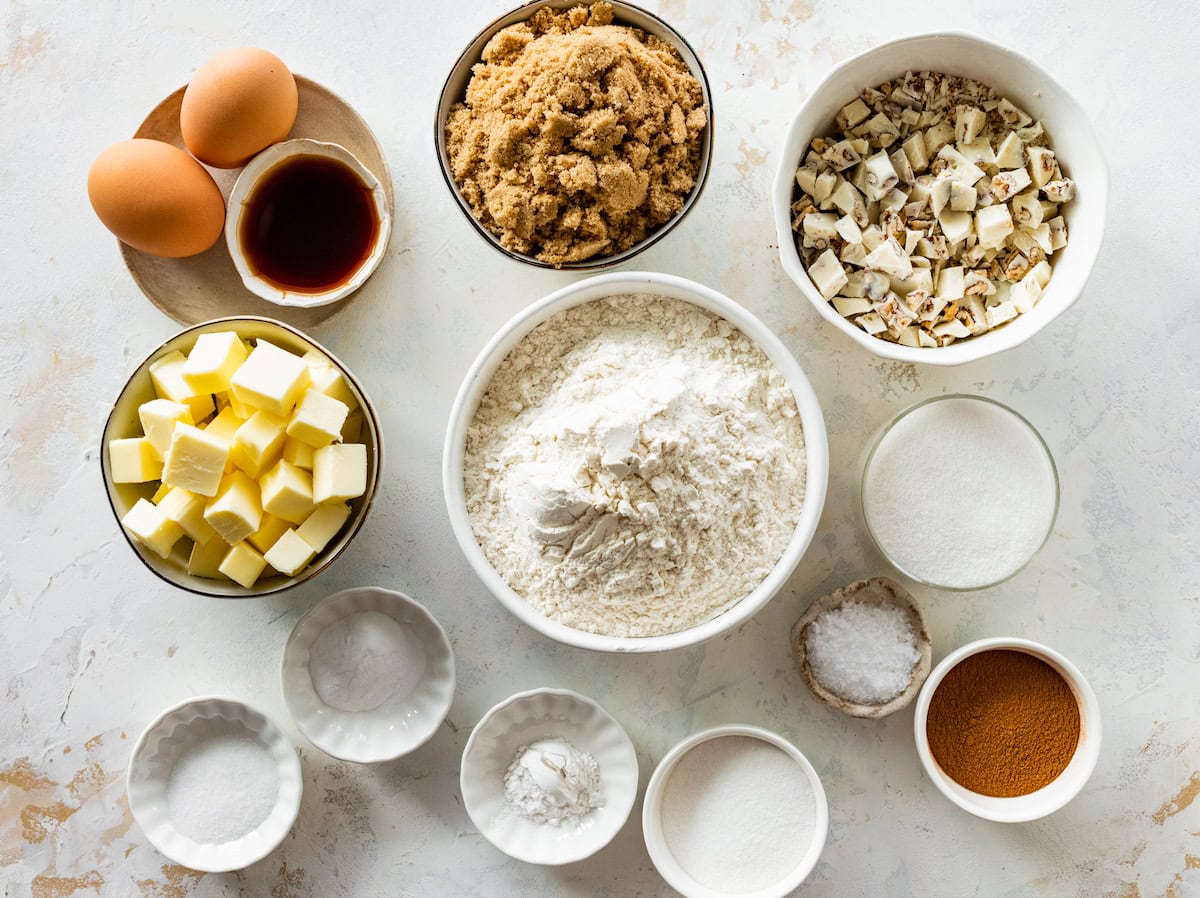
635	463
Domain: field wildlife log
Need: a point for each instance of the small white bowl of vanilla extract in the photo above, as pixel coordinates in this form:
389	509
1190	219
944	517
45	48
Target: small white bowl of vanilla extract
307	223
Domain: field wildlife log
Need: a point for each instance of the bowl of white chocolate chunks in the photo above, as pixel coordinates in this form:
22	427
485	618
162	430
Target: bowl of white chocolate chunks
940	199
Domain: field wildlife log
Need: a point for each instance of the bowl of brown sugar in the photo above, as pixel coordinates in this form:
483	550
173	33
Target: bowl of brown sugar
575	136
1007	729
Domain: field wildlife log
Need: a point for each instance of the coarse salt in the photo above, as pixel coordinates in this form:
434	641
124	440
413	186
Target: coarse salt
222	788
862	652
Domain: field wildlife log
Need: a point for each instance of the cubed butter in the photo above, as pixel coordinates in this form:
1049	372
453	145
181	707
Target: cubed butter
269	531
159	417
287	492
236	511
242	564
339	472
152	528
323	525
289	554
259	442
134	460
212	361
327	379
166	374
186	509
163	489
271	378
195	461
318	419
225	425
227	399
297	453
205	560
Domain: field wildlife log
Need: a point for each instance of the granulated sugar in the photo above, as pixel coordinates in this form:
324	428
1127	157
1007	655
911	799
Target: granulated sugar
960	493
738	814
863	653
222	788
636	466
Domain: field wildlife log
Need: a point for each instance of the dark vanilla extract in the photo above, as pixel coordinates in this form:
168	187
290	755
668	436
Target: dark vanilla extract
309	224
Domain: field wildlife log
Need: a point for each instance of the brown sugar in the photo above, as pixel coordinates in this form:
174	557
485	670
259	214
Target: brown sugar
578	137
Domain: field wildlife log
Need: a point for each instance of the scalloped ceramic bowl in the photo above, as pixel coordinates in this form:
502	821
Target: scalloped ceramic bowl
454	90
243	189
1049	798
524	718
652	820
123	422
1011	75
408	717
162	744
476	382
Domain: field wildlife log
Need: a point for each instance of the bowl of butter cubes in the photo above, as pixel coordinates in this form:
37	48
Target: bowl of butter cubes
940	199
241	458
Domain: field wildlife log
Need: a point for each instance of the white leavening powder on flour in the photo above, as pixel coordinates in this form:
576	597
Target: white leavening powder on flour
635	467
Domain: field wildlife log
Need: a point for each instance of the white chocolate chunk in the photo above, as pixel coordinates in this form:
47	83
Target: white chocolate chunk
806	179
1026	209
889	258
1058	232
826	182
818	227
950	283
1011	115
962	197
1011	152
875	285
871	323
827	274
1009	183
956	226
939	195
993	225
978	152
969	122
847	228
841	155
852	114
902	165
936	138
965	171
1042	166
1061	191
951	328
914	149
849	306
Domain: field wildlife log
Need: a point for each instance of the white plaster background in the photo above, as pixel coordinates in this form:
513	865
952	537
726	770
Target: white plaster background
92	646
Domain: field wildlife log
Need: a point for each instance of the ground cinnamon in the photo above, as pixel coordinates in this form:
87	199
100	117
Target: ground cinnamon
1003	723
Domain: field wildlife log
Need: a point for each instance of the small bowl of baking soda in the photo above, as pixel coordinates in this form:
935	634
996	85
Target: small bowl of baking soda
368	675
735	810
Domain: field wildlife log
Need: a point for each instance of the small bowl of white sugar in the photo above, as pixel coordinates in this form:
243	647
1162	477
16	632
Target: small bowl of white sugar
735	810
863	649
549	777
368	675
959	492
214	784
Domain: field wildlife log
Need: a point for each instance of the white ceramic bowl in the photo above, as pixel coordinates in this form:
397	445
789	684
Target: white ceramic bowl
476	382
1049	798
123	422
527	717
652	825
243	189
161	745
1011	75
405	720
454	90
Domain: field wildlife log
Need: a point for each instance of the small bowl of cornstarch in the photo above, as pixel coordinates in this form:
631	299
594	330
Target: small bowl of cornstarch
735	810
214	784
863	649
368	675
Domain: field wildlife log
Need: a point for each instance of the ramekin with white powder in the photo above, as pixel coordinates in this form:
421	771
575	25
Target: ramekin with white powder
635	467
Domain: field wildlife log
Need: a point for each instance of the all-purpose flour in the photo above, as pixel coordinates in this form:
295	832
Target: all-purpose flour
635	467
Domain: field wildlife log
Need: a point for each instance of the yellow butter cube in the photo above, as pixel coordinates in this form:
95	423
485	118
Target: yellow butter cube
318	419
186	509
195	461
287	492
329	380
339	472
242	564
159	417
206	558
134	461
289	554
212	361
323	525
224	425
297	453
152	528
163	489
271	378
259	442
268	532
228	400
236	511
352	429
166	374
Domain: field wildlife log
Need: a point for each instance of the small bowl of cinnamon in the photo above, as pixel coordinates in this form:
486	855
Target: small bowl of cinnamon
1007	729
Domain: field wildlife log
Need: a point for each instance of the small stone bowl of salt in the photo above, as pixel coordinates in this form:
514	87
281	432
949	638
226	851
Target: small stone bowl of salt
863	649
549	777
368	675
214	784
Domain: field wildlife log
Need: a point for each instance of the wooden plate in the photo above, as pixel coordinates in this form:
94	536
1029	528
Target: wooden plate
207	285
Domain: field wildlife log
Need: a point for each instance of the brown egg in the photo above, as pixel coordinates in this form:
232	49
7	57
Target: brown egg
156	198
237	104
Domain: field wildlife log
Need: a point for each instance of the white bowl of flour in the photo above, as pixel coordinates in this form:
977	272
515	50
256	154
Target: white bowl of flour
635	463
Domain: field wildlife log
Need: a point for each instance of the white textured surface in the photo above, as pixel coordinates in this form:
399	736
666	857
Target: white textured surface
92	646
